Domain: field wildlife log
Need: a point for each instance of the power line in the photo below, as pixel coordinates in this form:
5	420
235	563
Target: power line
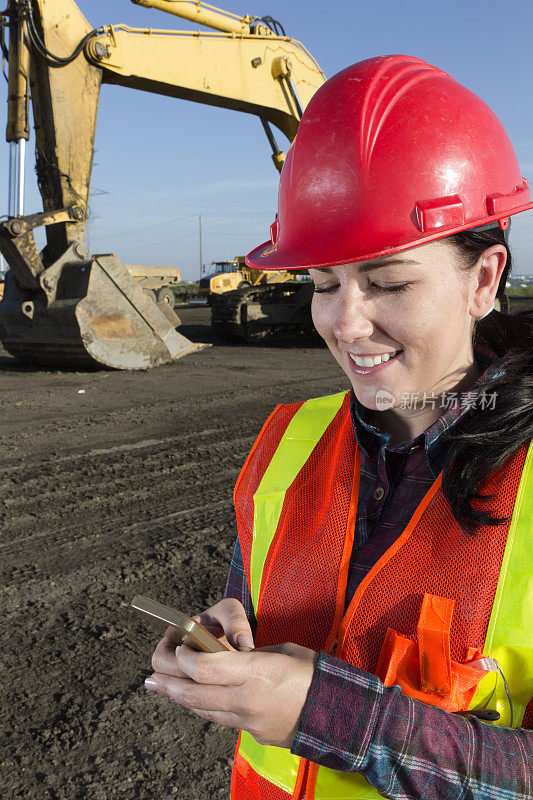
155	225
156	244
231	214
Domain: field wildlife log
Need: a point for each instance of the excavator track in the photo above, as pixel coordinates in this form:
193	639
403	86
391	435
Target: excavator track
258	313
226	315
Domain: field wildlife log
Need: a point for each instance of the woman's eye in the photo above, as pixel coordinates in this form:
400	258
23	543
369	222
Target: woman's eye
323	289
393	287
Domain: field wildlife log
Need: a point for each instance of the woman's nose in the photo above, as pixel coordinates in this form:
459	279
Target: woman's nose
351	320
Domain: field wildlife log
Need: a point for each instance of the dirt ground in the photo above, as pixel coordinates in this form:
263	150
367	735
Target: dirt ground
113	484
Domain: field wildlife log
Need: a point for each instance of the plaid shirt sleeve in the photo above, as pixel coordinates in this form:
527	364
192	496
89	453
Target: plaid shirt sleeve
237	585
406	749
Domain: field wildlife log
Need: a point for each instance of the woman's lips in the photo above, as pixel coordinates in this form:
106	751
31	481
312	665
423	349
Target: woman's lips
371	370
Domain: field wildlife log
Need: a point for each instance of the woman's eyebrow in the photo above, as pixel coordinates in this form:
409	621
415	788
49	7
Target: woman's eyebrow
383	262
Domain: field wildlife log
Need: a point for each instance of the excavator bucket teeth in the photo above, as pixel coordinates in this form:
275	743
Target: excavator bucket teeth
95	314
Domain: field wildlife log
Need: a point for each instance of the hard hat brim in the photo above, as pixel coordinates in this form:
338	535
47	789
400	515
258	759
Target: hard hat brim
271	257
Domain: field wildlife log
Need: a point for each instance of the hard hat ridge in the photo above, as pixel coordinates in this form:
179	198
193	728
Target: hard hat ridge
391	80
391	152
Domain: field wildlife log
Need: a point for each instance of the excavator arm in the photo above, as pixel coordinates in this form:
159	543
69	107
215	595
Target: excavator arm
62	306
270	76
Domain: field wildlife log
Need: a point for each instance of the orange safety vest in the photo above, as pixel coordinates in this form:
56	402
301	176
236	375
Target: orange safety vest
437	597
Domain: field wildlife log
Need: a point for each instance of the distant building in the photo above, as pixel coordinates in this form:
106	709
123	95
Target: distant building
519	280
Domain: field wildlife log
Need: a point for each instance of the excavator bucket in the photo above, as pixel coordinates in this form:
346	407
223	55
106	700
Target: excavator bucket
89	313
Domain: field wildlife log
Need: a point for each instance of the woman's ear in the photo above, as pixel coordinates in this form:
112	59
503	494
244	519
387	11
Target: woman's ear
486	279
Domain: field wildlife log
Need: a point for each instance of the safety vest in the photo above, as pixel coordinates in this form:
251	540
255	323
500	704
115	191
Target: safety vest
459	605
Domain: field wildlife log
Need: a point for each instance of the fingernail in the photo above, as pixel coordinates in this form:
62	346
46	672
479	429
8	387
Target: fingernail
151	684
244	640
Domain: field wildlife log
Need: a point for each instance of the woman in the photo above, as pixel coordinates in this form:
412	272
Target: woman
384	562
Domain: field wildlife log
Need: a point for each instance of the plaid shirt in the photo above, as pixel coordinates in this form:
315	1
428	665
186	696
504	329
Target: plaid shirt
351	722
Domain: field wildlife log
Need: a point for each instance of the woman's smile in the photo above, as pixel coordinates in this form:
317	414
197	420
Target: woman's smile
362	365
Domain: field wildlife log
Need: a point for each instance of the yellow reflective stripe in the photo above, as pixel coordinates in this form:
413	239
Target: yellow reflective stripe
280	767
487	691
333	785
509	637
275	764
303	432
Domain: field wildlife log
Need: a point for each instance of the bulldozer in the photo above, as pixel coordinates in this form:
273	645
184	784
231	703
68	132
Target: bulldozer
64	306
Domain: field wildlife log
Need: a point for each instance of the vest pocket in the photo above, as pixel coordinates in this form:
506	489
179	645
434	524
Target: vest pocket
424	670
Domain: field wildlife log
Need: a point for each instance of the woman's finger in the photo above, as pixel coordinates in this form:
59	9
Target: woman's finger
164	658
225	718
193	695
226	620
217	669
158	683
229	616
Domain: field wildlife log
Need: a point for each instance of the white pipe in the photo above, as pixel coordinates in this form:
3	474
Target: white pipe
17	162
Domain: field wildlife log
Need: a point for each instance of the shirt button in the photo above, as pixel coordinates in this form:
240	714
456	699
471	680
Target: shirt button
379	492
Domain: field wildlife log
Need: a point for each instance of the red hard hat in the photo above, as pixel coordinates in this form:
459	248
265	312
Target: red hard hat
390	153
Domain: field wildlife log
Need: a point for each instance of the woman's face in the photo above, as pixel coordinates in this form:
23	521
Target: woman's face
412	308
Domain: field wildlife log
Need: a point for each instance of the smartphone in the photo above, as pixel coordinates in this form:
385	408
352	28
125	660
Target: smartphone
184	629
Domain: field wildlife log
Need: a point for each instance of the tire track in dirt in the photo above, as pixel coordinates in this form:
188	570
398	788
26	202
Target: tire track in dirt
120	479
111	495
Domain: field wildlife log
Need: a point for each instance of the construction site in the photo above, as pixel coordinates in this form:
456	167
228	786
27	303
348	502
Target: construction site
126	413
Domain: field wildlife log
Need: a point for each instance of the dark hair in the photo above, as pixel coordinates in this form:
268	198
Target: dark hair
485	438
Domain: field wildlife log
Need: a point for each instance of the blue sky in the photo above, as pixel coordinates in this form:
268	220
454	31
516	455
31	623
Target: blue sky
160	162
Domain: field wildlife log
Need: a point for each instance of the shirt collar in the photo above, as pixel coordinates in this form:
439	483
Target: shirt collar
373	439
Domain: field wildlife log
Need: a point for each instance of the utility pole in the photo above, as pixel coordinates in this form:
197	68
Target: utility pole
200	237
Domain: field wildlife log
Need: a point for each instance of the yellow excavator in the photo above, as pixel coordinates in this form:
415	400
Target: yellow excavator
227	276
249	305
63	306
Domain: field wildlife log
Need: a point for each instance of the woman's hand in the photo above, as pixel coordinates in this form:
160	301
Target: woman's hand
226	620
262	691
